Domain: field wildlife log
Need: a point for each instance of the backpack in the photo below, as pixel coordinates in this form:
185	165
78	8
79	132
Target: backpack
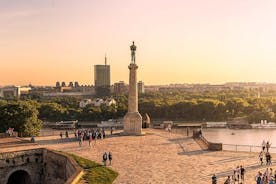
105	156
259	179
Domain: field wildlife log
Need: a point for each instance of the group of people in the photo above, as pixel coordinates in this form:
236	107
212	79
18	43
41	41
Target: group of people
268	177
90	135
107	156
87	134
66	134
265	153
237	177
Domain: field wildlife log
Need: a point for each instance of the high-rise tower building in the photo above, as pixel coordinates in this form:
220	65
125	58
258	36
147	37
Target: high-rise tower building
141	87
120	88
102	79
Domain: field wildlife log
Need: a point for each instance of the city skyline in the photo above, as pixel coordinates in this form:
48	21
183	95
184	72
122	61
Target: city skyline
177	41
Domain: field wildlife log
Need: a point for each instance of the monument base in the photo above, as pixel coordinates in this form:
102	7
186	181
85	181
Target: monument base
133	124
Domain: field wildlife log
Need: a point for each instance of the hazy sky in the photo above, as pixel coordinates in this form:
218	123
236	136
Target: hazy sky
178	41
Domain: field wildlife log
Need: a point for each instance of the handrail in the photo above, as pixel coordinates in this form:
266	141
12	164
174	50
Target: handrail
244	146
204	139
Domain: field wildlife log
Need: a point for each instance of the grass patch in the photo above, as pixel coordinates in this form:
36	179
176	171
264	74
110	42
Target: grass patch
95	173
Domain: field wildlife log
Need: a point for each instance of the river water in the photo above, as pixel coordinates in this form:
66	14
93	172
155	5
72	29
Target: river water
253	137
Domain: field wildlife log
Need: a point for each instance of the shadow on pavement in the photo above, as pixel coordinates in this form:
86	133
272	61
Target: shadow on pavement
180	139
196	152
224	174
55	141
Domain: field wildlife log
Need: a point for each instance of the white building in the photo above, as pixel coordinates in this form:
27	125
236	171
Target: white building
13	91
85	102
97	102
110	101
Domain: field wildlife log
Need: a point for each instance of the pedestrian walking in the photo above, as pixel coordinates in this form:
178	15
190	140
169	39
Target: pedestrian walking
269	158
80	140
103	134
60	134
90	140
228	180
267	146
110	157
234	176
242	173
67	134
111	130
261	156
214	179
104	158
96	136
263	145
259	178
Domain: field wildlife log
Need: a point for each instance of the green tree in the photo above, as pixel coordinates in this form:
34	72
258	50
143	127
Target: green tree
22	116
52	111
257	116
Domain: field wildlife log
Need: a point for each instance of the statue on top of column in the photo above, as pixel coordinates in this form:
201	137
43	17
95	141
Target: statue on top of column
133	49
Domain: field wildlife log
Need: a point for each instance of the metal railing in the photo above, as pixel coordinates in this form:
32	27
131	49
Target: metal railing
247	148
204	140
54	132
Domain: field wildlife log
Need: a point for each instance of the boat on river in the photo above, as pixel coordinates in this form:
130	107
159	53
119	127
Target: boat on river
264	124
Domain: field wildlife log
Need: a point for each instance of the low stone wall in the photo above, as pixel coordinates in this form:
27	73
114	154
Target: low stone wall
215	146
30	161
3	135
211	146
43	166
60	168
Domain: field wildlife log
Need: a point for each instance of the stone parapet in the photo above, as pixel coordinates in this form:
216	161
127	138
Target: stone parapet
42	165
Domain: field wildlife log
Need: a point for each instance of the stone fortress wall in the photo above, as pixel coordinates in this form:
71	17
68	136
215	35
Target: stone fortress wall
40	166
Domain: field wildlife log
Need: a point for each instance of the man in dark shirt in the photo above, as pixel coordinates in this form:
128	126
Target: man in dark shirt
242	173
214	179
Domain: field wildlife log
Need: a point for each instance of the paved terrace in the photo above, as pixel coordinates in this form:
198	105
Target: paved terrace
159	157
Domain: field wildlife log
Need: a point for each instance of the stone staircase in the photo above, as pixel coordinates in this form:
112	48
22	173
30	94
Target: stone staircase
201	143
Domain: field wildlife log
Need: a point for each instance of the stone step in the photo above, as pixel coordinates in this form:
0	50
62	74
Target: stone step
202	144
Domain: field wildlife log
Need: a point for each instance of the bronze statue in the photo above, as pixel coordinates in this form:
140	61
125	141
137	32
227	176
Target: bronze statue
133	49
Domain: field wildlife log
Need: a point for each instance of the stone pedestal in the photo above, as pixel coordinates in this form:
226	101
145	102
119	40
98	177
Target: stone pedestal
133	123
133	119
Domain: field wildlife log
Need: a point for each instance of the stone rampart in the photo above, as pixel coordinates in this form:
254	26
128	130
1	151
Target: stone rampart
42	165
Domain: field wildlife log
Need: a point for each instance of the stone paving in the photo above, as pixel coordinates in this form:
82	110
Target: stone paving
160	157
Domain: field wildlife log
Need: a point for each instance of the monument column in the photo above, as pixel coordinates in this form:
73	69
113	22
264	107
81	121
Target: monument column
133	92
133	119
